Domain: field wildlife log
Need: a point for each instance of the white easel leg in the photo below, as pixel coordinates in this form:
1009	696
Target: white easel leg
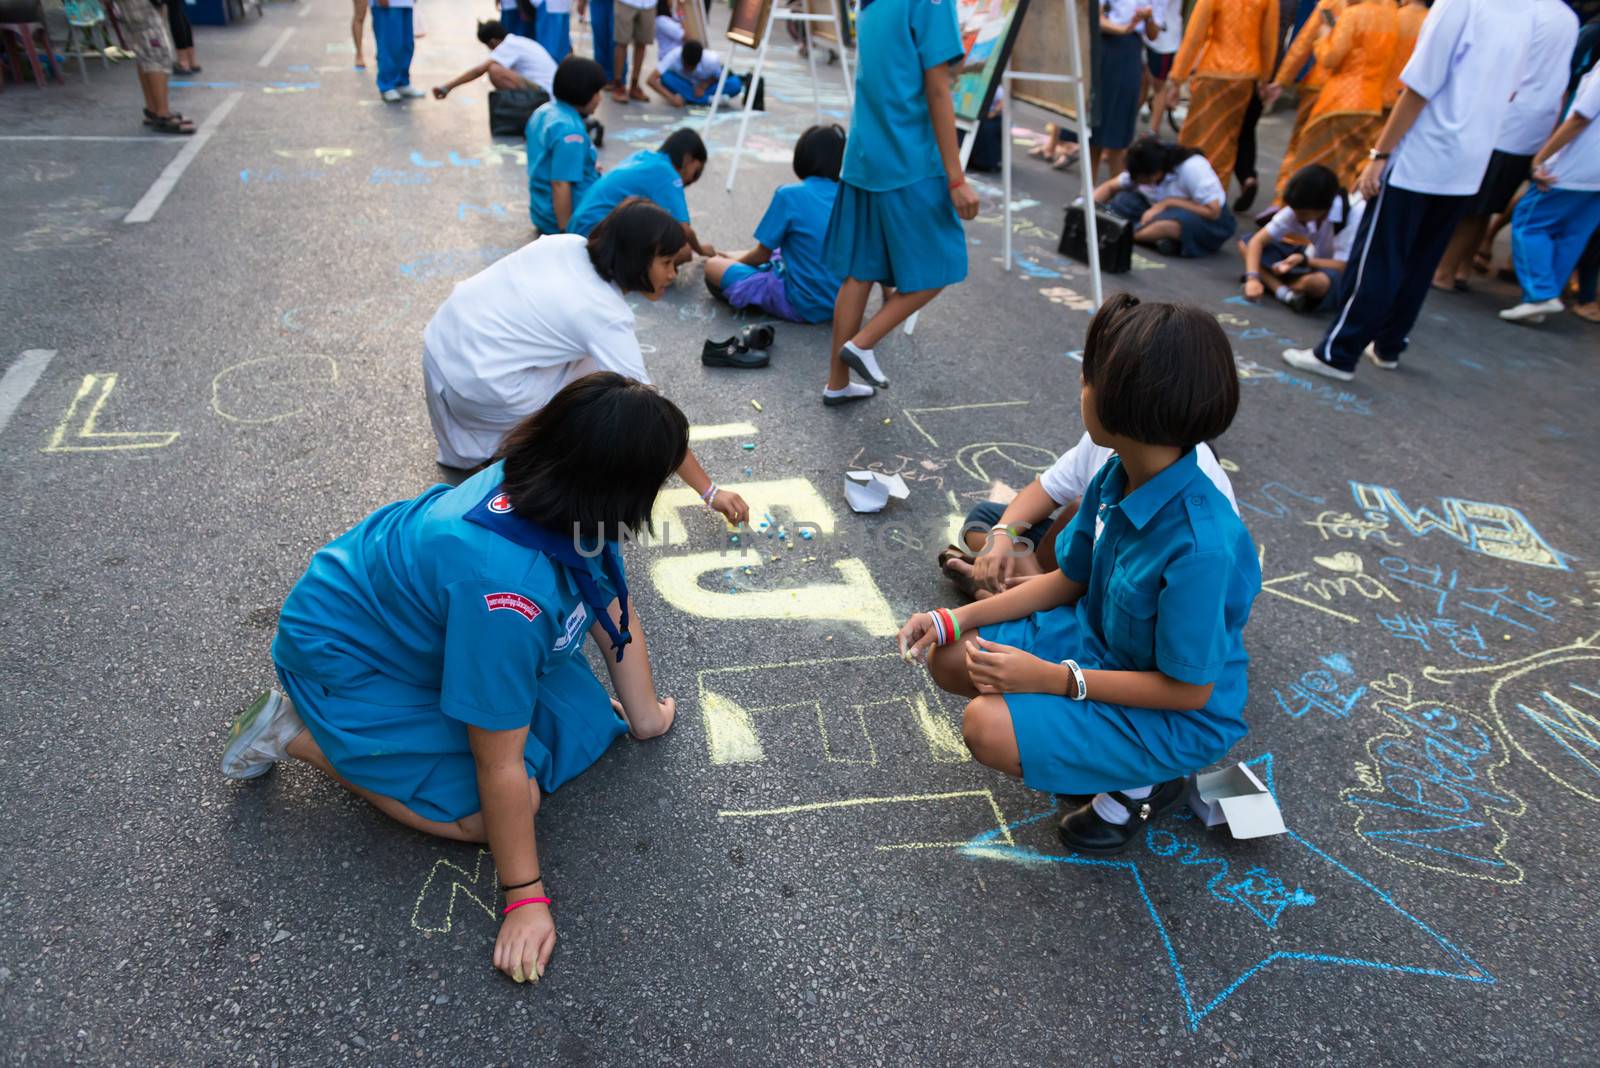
750	100
811	54
1085	166
722	79
1005	167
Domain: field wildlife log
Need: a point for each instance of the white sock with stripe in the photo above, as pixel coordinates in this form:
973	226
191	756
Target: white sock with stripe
1111	811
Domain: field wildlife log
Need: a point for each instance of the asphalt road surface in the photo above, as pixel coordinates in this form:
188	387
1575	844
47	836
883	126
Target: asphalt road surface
808	869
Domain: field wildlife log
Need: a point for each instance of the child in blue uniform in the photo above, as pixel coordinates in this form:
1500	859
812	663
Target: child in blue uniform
561	158
552	27
432	660
1113	678
659	175
785	274
895	220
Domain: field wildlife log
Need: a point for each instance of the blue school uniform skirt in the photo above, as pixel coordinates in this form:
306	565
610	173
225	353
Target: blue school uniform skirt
1278	250
1198	236
1121	76
393	739
909	238
554	32
1086	747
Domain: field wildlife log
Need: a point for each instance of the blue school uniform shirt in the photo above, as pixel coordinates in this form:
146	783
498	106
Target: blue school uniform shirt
418	603
797	222
891	141
559	150
1171	574
648	174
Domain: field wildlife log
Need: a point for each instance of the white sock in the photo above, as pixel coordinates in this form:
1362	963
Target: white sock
852	389
870	359
1111	811
1284	293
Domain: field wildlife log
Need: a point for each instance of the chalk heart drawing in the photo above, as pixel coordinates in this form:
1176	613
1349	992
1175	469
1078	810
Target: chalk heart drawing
270	389
1346	562
1248	910
1428	795
1548	705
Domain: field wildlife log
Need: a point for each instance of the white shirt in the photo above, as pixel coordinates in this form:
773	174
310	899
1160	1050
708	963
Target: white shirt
642	5
709	68
511	336
528	58
669	34
1120	11
1536	109
1469	59
1577	166
557	7
1326	238
1068	477
1169	16
1193	180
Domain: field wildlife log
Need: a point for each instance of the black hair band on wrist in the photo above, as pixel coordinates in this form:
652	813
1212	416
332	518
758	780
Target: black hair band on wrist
519	886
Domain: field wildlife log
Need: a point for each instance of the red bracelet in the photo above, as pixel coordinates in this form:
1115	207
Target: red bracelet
957	183
525	901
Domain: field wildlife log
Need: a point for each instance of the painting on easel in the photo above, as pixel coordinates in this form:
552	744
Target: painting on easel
988	32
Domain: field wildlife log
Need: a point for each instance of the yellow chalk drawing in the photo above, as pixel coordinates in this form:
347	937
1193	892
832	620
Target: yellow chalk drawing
713	431
849	803
1496	530
1336	524
1553	722
289	377
1351	581
1144	263
912	413
732	738
469	886
330	156
86	438
1070	297
797	496
856	599
1230	319
973	458
1271	586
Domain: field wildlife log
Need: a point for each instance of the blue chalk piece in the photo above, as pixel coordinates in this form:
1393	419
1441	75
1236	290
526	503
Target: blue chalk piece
733	539
806	535
749	471
749	446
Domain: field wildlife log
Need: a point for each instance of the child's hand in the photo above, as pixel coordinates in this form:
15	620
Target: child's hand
732	506
917	637
995	564
527	938
965	198
996	668
1288	263
666	713
1253	289
440	92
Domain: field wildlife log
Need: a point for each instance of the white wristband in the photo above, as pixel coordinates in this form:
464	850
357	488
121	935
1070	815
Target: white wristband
1077	680
709	494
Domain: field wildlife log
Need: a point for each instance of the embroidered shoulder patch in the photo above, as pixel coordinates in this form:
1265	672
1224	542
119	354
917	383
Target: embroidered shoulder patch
574	138
512	602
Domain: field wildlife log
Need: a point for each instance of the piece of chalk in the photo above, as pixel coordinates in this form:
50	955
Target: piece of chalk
749	446
756	405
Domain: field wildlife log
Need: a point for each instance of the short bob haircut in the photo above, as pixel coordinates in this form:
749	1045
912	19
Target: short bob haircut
593	459
491	30
622	245
820	152
578	80
1162	374
1312	188
693	52
684	144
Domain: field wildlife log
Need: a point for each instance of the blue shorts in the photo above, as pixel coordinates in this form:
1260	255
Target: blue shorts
1086	747
909	238
761	287
394	740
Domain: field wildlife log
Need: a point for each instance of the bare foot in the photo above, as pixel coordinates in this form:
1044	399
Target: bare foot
1590	311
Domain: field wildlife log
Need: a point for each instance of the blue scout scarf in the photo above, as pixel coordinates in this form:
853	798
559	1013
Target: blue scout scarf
494	512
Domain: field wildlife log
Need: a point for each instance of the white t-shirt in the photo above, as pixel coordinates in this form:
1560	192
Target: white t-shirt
1326	239
557	7
1470	57
1068	477
511	336
528	58
642	5
1193	180
669	34
708	70
1536	109
1577	165
1169	16
1120	11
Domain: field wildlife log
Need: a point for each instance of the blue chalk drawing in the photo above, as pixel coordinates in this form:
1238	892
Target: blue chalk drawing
1279	510
456	160
1259	891
497	210
1237	299
1260	897
419	160
1032	268
1496	530
1340	663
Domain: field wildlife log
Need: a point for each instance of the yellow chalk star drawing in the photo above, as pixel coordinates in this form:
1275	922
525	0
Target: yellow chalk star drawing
87	438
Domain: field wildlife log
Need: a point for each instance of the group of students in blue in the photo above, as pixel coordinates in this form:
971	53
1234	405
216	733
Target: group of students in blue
432	658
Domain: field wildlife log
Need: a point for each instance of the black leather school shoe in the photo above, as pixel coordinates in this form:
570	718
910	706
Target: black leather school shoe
1083	831
732	353
758	337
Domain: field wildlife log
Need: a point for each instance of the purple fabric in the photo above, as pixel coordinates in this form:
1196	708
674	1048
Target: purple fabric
762	288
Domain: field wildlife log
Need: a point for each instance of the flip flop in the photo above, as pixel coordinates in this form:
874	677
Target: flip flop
964	583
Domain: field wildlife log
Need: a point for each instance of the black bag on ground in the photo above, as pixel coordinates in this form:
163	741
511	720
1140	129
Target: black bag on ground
510	110
1115	234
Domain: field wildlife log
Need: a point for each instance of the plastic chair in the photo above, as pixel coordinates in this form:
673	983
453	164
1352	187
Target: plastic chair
86	18
24	33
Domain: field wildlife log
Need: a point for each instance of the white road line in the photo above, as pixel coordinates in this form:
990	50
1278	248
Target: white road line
156	195
20	380
147	139
277	46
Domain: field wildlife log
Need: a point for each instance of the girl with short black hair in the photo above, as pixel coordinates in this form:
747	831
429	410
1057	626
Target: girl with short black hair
562	162
1300	254
1173	198
431	659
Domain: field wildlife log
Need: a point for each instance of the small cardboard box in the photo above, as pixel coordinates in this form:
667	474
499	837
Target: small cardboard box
1236	797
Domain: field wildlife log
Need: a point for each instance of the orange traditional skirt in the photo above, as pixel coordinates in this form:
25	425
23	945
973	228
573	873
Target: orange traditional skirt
1302	118
1216	115
1339	143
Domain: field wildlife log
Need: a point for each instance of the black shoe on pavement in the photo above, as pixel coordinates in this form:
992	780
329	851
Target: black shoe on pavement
1168	247
731	353
1083	831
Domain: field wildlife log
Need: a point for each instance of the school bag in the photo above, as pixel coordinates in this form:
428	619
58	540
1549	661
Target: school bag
1115	239
510	110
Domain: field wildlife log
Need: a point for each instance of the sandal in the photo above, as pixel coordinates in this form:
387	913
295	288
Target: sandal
961	581
758	337
171	124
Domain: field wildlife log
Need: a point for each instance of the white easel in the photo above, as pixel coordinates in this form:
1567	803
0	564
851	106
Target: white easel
777	14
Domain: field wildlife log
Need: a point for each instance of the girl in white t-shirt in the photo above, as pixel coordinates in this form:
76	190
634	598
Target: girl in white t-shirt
1299	256
1173	198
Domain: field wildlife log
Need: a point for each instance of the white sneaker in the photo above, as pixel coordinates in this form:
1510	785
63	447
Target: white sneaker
1372	354
1533	312
392	96
412	91
258	738
1306	360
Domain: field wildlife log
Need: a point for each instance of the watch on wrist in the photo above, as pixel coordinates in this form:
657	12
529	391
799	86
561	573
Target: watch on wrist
1374	154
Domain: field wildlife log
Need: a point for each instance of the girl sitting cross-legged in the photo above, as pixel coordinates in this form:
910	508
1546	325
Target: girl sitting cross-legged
1173	198
1112	679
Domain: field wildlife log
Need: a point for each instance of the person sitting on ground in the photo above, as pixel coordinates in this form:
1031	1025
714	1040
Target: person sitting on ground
431	659
688	75
1321	218
785	274
660	176
1005	544
561	158
514	62
1173	197
1111	680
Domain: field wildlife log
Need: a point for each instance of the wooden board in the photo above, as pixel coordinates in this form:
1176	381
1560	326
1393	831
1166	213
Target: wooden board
1042	46
748	22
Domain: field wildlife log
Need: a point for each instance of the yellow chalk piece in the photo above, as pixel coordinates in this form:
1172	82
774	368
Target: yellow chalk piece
86	438
798	495
756	405
886	422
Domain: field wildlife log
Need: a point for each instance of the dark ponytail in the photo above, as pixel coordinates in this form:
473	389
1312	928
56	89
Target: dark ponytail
1150	155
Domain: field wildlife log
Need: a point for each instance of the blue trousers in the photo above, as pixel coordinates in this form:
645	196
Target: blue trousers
391	29
684	88
1549	231
600	14
1401	239
554	33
